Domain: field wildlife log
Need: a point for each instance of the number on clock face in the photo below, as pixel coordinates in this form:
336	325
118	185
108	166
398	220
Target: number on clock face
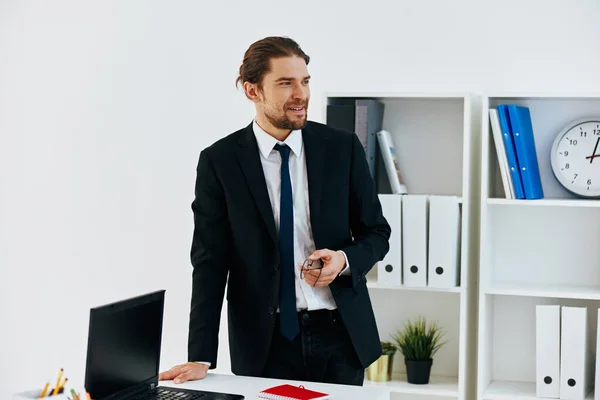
575	158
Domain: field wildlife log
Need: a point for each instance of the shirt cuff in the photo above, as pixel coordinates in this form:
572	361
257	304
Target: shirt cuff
346	270
203	362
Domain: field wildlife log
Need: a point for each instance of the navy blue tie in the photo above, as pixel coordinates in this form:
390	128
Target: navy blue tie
287	289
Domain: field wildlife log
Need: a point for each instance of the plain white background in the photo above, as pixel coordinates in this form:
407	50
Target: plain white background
105	106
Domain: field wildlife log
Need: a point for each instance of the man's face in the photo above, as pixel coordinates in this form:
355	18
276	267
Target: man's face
285	93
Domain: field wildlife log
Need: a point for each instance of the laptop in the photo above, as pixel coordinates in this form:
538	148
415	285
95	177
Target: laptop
123	353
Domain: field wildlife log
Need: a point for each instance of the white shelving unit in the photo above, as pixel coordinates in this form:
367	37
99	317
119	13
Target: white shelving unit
438	151
531	252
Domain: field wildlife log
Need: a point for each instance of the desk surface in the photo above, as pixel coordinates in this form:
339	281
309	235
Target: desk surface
249	387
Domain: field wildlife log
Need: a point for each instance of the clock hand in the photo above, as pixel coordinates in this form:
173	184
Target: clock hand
594	152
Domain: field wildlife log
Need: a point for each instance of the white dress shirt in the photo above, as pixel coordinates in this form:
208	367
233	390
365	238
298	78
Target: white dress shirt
307	297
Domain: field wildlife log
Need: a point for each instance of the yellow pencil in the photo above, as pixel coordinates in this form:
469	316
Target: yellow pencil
62	385
55	391
43	394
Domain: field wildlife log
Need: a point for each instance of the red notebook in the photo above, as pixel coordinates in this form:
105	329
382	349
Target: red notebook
289	392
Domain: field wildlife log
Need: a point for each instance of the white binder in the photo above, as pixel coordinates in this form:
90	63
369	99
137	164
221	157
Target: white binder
574	384
414	239
389	270
597	362
444	241
547	351
507	183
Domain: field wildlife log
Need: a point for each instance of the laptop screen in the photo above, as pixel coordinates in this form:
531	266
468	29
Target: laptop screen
124	345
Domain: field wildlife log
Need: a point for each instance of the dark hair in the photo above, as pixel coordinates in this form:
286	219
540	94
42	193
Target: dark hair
257	58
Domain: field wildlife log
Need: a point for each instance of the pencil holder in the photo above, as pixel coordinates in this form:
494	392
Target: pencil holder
35	394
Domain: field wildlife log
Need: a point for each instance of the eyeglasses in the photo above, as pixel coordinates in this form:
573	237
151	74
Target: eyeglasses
308	266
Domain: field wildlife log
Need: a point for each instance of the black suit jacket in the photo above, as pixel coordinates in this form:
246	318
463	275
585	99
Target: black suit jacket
235	236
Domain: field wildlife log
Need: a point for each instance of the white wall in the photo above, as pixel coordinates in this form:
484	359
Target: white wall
105	106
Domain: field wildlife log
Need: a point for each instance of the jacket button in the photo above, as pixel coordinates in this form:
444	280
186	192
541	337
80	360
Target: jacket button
271	310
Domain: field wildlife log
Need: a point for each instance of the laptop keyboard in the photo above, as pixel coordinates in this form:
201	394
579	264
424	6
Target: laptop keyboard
161	394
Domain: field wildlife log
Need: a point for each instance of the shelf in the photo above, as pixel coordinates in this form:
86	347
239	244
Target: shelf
375	285
544	290
415	120
401	95
443	386
531	252
503	390
545	96
545	202
459	199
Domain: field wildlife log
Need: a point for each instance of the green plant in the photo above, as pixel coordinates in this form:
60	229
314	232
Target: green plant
388	348
416	341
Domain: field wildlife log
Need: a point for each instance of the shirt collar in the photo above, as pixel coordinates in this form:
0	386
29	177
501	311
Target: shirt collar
266	142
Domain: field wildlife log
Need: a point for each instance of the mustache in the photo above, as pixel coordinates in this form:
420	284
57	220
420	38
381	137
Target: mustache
303	104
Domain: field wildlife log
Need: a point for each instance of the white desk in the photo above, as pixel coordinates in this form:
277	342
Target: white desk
249	387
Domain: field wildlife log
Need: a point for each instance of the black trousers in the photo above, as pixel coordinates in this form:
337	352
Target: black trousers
321	352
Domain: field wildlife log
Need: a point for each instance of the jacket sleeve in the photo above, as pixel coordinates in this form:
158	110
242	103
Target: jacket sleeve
370	229
210	244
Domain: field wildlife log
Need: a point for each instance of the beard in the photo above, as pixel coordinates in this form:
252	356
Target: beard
280	120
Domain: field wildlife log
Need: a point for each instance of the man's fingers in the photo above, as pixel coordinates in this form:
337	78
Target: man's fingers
191	374
184	372
324	254
183	377
170	374
322	282
313	272
310	279
319	280
326	271
164	376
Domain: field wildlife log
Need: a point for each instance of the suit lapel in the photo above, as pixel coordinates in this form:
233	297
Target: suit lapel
316	148
249	159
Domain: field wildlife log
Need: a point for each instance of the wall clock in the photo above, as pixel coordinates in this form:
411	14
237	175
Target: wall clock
575	157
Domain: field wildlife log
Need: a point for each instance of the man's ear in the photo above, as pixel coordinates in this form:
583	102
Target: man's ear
251	91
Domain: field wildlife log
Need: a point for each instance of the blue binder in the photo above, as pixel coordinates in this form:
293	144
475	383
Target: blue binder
522	130
511	154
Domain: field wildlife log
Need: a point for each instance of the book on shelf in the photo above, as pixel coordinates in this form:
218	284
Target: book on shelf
522	128
505	170
514	141
390	161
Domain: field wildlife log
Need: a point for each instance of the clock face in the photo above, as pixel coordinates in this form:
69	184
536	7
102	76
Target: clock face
575	158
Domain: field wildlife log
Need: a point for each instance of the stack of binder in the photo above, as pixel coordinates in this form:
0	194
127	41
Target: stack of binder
424	243
517	157
363	117
563	359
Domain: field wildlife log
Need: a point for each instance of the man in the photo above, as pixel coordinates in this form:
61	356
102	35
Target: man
271	199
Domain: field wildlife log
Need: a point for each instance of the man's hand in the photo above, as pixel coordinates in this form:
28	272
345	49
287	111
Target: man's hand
190	371
333	263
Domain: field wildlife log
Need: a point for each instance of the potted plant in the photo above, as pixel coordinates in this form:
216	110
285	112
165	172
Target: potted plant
381	369
419	343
